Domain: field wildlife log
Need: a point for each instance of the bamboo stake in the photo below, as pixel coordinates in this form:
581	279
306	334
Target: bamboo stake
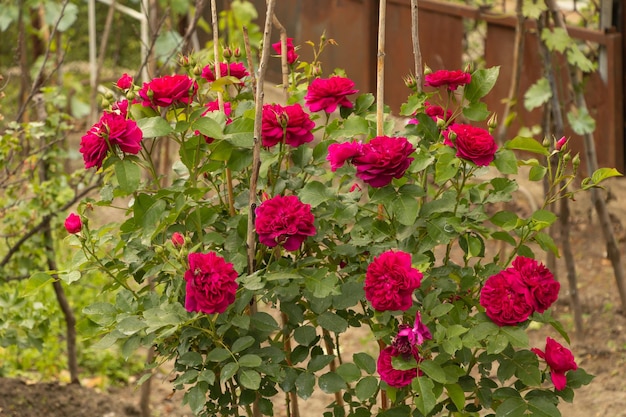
380	69
591	159
415	37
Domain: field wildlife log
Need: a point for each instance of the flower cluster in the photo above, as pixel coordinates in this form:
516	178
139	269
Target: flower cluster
512	295
377	162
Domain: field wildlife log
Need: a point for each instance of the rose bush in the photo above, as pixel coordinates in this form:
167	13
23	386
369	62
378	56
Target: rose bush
401	258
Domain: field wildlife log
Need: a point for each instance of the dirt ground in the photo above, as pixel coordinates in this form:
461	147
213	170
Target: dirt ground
600	350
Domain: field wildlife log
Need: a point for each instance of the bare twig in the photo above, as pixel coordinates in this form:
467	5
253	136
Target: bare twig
284	65
417	53
380	69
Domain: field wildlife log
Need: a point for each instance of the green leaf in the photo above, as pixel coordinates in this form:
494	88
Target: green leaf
537	173
482	82
153	127
537	94
542	219
249	378
242	344
366	388
434	371
521	143
425	401
196	397
37	281
516	336
322	283
547	243
130	325
512	407
228	371
505	161
319	362
365	362
581	121
349	372
305	382
578	378
476	112
506	220
190	359
250	361
601	174
305	335
217	355
556	39
332	322
330	383
576	57
405	209
315	193
456	394
533	9
441	310
128	175
542	407
208	127
527	367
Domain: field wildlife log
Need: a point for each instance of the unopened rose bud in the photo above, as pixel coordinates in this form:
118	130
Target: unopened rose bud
576	161
227	53
567	157
355	187
441	124
105	103
545	143
468	68
109	95
560	143
316	70
427	70
411	82
197	70
493	121
158	250
451	135
265	196
237	52
178	240
130	95
73	223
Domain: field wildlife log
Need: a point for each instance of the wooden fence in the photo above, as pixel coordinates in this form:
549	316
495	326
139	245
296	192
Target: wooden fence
443	36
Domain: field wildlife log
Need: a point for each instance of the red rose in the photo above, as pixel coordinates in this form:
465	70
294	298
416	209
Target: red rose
452	79
234	69
290	123
395	377
168	90
390	281
339	153
382	159
291	51
178	240
539	280
559	359
328	93
284	220
437	112
113	129
73	223
124	82
211	284
506	299
472	143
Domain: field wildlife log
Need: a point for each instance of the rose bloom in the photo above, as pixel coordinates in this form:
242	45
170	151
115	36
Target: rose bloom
472	143
451	79
339	153
382	159
113	129
559	359
395	377
390	281
328	93
211	284
73	223
125	82
434	112
284	220
291	51
408	338
234	69
168	90
540	281
506	299
290	123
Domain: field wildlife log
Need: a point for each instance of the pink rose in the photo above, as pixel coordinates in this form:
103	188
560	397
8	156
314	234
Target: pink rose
559	359
560	143
290	124
339	153
168	90
178	240
472	143
408	338
395	377
73	223
539	280
328	93
390	281
452	79
124	82
113	129
234	69
506	299
291	51
382	159
284	220
211	284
